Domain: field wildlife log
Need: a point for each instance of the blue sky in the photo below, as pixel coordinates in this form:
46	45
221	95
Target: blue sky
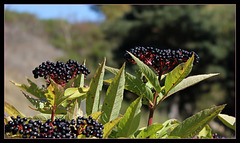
72	13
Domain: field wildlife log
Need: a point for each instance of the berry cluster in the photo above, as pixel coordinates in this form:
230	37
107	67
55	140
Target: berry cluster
59	128
60	72
160	59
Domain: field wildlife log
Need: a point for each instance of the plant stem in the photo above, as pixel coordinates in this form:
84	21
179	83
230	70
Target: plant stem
53	113
153	107
150	116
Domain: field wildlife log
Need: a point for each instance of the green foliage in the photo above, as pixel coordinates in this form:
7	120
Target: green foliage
205	132
178	74
193	125
189	81
209	30
149	74
11	110
93	95
63	102
229	121
114	97
32	88
150	130
129	124
133	84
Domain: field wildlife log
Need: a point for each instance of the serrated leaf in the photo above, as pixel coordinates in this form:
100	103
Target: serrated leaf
93	95
114	97
109	126
178	74
133	84
189	81
32	89
152	129
129	124
149	74
229	121
11	110
38	103
194	124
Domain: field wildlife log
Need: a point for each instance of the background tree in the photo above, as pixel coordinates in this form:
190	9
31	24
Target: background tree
209	30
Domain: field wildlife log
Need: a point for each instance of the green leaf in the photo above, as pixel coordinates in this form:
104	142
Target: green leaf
93	95
73	112
45	117
169	125
50	95
32	89
189	81
129	124
205	132
149	74
44	106
152	129
11	110
114	97
109	126
229	121
75	92
194	124
42	116
178	74
133	84
55	94
96	114
38	103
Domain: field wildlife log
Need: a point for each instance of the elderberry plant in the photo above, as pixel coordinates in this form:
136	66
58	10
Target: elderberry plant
59	102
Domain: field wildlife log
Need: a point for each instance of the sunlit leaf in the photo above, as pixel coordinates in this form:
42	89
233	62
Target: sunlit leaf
11	110
129	124
109	126
194	124
178	74
93	95
229	121
114	96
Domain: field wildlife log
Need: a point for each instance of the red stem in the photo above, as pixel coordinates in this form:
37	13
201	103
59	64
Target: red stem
152	108
53	113
150	116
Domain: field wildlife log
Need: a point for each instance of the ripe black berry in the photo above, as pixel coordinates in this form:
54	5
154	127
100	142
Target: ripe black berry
60	72
59	128
160	59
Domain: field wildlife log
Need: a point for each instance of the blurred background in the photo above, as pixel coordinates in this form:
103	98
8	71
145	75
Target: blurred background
37	33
